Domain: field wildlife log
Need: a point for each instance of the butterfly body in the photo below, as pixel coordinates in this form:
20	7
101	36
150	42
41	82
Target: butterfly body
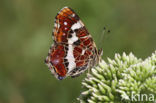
74	50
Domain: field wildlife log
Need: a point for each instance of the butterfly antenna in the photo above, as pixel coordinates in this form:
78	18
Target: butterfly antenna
103	33
101	38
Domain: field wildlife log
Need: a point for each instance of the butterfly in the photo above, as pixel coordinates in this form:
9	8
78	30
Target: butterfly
73	50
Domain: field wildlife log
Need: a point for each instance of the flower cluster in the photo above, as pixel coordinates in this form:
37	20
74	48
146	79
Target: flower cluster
118	79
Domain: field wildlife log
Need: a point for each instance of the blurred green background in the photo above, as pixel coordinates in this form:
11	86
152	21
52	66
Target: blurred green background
25	37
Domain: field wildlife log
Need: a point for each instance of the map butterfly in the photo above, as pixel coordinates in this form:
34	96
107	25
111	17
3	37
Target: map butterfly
73	50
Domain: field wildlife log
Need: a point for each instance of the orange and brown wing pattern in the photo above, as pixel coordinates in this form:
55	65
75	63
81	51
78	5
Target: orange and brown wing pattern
63	23
56	62
74	50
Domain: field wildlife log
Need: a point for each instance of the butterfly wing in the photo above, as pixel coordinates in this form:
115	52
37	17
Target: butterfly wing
64	21
74	50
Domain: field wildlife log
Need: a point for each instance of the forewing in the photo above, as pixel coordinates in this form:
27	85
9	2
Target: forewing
64	21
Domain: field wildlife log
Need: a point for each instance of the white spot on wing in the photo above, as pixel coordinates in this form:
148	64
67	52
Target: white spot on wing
55	25
77	25
73	15
83	51
65	23
58	25
70	58
64	34
65	28
73	38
